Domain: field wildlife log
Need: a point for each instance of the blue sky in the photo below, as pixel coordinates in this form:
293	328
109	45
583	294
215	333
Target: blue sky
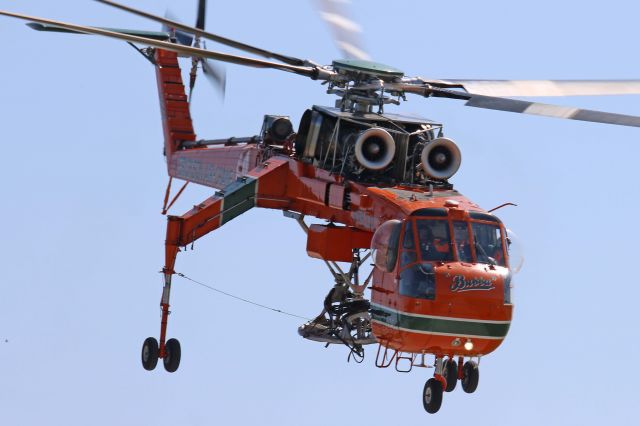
83	178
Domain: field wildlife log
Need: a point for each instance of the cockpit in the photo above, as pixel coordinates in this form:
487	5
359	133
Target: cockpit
446	240
436	236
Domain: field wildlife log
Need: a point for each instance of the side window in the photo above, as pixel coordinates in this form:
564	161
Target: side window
384	245
461	238
488	243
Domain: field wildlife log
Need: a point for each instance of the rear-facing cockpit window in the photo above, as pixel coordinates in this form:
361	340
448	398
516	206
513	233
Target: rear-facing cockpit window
434	239
488	243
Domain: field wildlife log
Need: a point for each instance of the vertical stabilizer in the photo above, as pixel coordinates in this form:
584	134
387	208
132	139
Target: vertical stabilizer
174	107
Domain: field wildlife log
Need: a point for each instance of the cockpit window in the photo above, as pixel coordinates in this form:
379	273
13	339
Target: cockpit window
407	240
488	243
461	238
418	281
408	254
435	242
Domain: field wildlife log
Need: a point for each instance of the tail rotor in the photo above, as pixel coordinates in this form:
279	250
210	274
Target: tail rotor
215	74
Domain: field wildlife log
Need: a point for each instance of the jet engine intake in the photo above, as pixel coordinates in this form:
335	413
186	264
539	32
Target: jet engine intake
375	148
441	158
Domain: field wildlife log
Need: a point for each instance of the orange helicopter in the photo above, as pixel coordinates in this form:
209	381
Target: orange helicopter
442	273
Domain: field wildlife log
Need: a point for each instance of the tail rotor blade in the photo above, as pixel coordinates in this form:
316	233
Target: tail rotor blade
181	36
202	11
216	75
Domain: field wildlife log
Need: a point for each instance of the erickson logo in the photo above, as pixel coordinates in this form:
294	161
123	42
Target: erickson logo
460	283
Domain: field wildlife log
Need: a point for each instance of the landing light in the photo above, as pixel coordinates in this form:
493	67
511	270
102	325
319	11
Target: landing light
468	345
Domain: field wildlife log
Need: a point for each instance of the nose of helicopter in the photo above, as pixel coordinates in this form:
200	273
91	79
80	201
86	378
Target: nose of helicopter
452	308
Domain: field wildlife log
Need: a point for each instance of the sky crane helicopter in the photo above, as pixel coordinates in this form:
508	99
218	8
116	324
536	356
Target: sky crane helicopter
441	281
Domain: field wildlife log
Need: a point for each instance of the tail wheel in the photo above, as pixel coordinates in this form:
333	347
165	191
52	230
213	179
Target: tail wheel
471	376
432	396
171	358
150	353
450	373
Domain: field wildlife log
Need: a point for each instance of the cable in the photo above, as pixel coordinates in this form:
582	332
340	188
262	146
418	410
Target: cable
240	298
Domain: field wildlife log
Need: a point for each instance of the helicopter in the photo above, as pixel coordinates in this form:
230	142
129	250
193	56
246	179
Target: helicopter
339	158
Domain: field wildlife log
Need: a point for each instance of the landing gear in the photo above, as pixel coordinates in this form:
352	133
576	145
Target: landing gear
450	373
172	354
150	353
470	376
446	375
432	395
435	386
169	351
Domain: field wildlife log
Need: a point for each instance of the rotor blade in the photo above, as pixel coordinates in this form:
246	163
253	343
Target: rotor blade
516	88
311	72
345	31
216	76
536	108
156	35
202	11
210	36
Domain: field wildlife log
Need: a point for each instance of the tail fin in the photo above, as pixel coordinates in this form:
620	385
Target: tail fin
174	107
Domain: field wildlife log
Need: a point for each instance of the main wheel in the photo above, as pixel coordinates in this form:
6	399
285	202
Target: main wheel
171	358
450	373
432	395
150	353
471	376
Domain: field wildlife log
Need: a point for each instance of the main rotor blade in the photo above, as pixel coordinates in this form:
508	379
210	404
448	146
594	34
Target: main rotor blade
536	108
516	88
156	35
311	72
345	31
210	36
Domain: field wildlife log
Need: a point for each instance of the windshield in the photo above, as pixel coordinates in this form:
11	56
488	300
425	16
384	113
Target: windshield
461	238
488	243
435	242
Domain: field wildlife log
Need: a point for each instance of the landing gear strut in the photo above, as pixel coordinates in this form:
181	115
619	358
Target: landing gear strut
446	375
433	389
169	351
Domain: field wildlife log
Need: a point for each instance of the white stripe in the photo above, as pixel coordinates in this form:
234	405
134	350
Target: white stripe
438	317
353	51
551	110
435	333
341	22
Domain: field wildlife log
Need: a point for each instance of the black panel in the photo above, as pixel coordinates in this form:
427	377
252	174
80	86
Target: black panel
439	212
484	216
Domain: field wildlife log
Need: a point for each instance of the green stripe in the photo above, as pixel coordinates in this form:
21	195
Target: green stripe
239	197
438	325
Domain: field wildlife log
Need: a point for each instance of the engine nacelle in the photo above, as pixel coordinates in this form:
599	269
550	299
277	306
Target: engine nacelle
375	148
441	158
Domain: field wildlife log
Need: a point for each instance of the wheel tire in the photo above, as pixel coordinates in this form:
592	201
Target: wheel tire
149	354
471	376
171	358
450	373
432	396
